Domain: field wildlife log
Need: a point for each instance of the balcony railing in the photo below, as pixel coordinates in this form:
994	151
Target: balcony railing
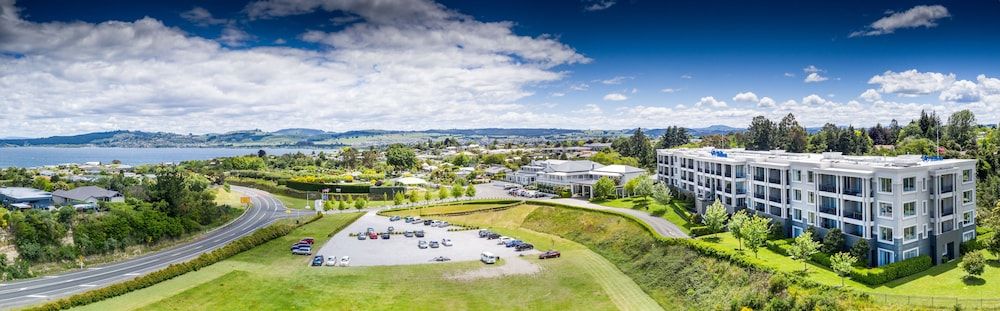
854	192
856	215
947	189
854	230
774	180
741	175
832	210
828	188
947	211
741	191
775	199
776	211
758	177
758	195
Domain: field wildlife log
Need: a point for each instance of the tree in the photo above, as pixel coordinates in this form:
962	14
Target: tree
755	232
470	191
341	205
609	157
715	217
261	153
643	187
360	204
604	188
802	248
662	195
792	137
833	241
442	193
736	225
457	190
349	157
973	264
760	134
962	129
842	263
398	198
673	136
413	196
400	157
860	251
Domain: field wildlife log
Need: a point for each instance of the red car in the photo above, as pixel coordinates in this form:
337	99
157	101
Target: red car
372	235
549	254
309	241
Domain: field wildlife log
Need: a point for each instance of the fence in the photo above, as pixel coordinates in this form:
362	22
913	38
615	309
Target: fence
936	302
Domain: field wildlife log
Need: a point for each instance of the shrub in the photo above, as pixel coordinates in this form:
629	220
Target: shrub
658	212
700	231
833	241
883	274
861	251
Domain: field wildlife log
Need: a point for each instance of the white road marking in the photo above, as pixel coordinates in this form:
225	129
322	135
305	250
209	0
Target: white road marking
36	296
88	285
50	276
132	274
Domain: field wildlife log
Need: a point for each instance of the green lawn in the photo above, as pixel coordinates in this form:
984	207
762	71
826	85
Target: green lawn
228	198
268	278
674	212
945	280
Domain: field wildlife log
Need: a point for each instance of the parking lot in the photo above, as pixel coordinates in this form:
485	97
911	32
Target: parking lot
400	250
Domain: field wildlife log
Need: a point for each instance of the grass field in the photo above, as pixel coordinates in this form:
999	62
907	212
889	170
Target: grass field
229	198
945	280
673	212
268	278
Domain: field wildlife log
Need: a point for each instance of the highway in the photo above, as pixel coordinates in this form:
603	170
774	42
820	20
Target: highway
265	210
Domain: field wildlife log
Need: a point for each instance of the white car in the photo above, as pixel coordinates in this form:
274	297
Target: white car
345	261
446	242
503	240
331	261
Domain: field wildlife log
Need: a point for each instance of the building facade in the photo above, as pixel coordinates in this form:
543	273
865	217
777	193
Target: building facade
903	206
576	176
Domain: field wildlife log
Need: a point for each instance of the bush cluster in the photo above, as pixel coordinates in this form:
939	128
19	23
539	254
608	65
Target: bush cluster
700	231
883	274
240	245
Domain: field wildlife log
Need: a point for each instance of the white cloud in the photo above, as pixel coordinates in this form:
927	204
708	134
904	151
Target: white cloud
615	80
918	16
635	90
202	17
398	68
814	77
710	101
598	5
766	102
871	95
810	69
686	77
814	100
912	82
235	37
615	97
748	97
280	41
591	109
579	87
789	75
670	90
558	94
985	89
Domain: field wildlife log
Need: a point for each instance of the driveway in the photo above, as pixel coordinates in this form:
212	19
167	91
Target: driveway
661	225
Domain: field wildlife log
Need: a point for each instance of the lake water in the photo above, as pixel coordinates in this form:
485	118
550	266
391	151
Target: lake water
39	156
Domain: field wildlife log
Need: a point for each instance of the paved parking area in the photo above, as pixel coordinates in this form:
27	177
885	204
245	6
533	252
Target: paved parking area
400	250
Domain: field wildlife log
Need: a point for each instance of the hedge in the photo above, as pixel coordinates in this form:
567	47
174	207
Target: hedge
700	231
174	270
343	188
883	274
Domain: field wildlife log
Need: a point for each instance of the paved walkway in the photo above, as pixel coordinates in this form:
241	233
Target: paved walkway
661	225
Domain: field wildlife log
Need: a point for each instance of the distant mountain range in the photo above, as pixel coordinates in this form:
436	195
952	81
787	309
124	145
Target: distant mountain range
313	138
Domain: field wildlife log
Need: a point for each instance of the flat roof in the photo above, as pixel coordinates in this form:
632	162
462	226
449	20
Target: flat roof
23	193
780	157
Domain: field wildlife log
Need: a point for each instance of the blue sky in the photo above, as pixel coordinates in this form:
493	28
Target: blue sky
459	64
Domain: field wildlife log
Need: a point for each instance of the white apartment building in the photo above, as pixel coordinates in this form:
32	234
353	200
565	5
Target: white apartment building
903	206
576	176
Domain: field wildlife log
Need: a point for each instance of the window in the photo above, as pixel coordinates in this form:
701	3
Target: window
968	236
913	252
909	184
924	208
927	231
966	176
798	195
909	233
809	175
885	210
967	197
797	214
812	218
968	219
923	185
885	185
910	209
885	257
812	198
885	234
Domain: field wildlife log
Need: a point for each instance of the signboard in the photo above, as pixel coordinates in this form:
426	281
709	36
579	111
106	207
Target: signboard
245	200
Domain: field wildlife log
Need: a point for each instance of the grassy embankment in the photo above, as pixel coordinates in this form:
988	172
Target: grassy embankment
674	212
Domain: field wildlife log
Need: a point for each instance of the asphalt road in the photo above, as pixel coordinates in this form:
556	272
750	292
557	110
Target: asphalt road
265	210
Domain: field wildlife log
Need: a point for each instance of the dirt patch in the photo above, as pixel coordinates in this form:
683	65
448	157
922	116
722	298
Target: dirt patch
510	266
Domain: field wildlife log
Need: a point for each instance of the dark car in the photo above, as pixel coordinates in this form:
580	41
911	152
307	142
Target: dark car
493	236
513	243
317	261
523	247
385	235
428	222
435	244
309	241
419	233
549	254
484	233
408	233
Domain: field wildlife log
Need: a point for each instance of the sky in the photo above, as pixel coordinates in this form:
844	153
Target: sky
69	67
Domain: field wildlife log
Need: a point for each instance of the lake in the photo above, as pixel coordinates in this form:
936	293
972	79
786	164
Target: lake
39	156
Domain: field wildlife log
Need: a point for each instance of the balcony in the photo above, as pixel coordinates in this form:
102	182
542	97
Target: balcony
852	191
775	199
947	188
832	210
947	211
827	223
776	211
758	177
854	230
741	191
832	188
856	215
947	226
758	195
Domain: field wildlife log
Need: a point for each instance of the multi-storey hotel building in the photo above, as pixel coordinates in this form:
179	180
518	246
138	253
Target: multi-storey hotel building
903	206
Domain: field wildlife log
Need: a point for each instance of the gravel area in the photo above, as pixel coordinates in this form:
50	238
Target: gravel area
400	250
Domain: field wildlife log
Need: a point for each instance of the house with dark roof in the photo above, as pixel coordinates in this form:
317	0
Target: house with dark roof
88	194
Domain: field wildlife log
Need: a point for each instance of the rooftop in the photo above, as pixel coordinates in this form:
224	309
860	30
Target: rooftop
780	156
24	193
83	193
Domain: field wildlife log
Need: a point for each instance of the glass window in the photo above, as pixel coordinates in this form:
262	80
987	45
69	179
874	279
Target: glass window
885	185
967	218
909	209
812	198
885	209
968	236
909	184
924	208
810	176
798	195
812	218
797	214
910	233
911	253
885	234
797	175
967	197
966	175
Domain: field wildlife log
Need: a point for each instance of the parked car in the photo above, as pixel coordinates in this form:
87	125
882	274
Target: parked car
446	242
421	244
394	218
504	240
317	261
523	247
484	233
549	254
444	224
372	235
435	223
428	222
385	235
345	261
331	261
416	220
488	258
391	229
370	230
512	243
408	233
435	244
304	250
362	236
309	241
419	233
493	236
297	245
440	258
408	219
